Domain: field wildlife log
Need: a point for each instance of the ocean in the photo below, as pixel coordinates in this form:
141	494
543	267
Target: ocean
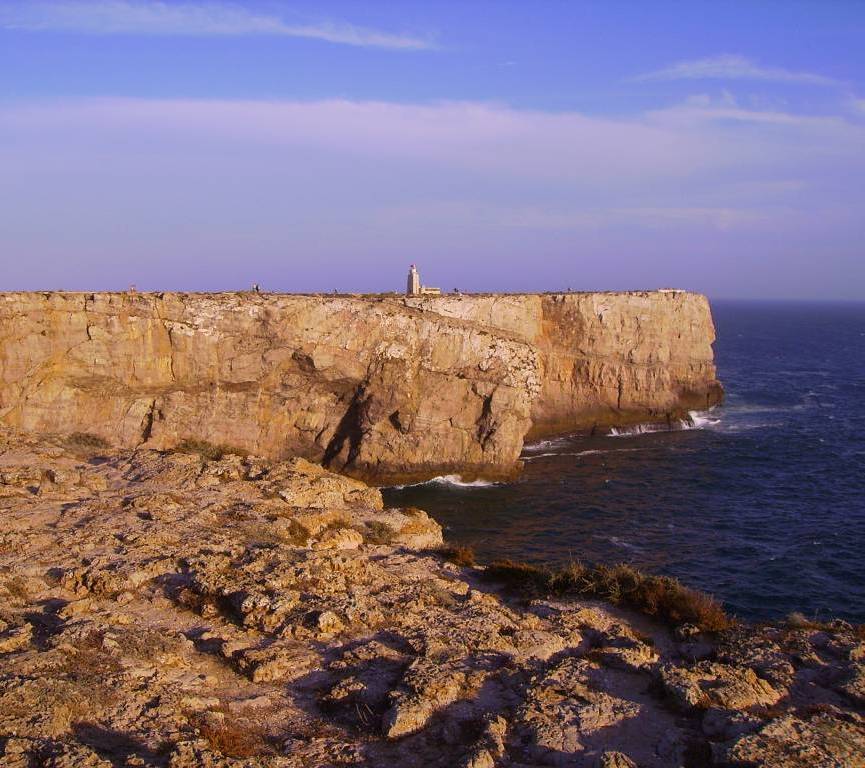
762	503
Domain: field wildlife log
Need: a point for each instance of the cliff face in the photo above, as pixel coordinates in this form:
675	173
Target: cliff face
385	388
607	359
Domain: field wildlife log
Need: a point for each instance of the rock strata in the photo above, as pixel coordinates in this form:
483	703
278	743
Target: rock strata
387	389
170	610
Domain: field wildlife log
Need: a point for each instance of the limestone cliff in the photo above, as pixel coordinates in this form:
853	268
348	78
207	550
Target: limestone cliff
386	388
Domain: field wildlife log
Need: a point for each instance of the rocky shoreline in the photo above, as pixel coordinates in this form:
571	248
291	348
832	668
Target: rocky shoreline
170	609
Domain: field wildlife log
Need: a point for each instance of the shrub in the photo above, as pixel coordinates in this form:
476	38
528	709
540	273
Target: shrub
18	590
797	620
662	597
464	556
377	532
518	575
85	443
206	450
231	738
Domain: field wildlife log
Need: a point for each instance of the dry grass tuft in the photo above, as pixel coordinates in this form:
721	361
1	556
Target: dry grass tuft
661	597
85	444
230	735
92	669
206	450
798	620
232	739
19	592
377	532
458	555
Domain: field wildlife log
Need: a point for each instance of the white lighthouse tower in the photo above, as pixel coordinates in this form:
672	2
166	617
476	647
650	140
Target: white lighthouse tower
413	284
414	288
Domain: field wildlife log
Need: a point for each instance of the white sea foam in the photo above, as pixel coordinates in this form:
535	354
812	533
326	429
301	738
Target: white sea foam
702	420
616	541
534	456
696	420
451	480
552	443
637	429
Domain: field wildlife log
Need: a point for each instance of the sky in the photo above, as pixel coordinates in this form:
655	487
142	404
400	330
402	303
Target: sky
501	146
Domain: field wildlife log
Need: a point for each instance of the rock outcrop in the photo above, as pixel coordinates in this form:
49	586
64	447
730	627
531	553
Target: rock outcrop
170	611
383	388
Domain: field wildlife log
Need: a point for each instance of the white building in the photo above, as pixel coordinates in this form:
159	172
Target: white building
414	287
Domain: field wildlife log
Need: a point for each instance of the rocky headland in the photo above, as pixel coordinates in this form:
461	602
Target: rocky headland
199	608
384	388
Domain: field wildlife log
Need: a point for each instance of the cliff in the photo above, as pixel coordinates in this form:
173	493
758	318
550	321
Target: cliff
385	388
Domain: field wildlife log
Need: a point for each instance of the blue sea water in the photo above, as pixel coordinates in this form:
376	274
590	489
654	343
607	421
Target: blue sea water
762	505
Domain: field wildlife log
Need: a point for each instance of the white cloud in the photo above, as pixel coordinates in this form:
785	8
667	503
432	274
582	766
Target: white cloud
467	214
154	17
196	192
732	67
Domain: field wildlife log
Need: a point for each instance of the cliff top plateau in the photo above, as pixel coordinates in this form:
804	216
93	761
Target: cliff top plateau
179	610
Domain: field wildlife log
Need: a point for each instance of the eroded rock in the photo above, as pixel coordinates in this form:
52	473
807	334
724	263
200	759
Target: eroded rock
186	614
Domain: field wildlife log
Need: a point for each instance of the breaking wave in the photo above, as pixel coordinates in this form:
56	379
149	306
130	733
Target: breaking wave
452	480
695	420
641	429
552	443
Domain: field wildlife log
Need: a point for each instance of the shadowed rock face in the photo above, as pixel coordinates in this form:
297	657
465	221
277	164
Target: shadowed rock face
388	389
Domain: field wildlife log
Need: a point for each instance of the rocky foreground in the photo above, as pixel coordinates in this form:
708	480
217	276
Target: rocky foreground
166	609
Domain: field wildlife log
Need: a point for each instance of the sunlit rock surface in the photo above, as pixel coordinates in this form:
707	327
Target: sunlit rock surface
384	388
162	609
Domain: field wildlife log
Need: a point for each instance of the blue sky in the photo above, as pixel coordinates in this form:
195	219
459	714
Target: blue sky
509	146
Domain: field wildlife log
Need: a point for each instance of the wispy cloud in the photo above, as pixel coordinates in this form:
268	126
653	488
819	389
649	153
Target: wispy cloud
154	17
704	194
732	67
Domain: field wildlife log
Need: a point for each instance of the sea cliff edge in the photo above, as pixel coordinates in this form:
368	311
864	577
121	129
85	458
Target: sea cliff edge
381	387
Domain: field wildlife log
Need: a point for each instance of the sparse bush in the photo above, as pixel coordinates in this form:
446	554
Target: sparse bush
91	668
85	443
798	620
206	450
459	555
18	589
230	735
232	738
518	575
377	532
662	597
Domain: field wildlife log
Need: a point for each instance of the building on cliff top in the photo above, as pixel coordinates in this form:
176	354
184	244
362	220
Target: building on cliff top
414	287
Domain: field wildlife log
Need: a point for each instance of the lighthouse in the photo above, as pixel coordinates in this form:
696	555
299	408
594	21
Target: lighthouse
414	288
413	283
